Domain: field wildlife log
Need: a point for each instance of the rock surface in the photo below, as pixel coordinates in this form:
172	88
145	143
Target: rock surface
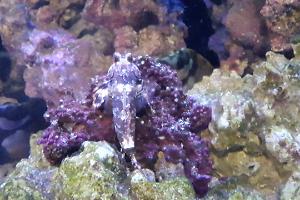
255	127
96	171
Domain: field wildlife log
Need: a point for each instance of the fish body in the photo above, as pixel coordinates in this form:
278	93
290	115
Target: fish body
123	85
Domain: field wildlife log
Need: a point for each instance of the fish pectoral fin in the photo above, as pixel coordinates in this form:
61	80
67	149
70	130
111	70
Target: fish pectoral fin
100	96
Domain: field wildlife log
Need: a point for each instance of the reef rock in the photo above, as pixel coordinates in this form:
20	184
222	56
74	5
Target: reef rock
176	189
31	178
237	44
93	174
238	193
96	171
256	118
246	30
60	45
283	22
292	187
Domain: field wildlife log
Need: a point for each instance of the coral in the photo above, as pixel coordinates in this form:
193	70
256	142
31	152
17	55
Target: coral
168	121
175	120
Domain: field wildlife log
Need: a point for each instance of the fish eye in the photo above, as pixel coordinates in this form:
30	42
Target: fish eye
129	57
116	57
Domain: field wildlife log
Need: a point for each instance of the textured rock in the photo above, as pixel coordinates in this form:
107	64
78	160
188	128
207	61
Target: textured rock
260	172
266	25
166	170
58	65
144	187
239	193
176	189
28	182
5	170
291	189
162	41
31	178
96	171
255	124
237	44
65	43
93	174
283	22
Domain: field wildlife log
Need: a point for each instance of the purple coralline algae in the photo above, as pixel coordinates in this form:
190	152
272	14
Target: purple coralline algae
71	125
159	117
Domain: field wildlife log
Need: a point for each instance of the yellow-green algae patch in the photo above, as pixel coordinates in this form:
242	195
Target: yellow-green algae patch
93	174
174	189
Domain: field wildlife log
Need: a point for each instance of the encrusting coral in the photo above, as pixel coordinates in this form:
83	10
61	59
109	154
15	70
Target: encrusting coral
167	121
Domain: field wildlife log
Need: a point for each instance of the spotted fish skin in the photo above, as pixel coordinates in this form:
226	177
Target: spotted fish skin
122	86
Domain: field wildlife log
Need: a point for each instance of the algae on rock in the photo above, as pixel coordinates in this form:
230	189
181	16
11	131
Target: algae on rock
291	190
256	116
31	179
175	189
97	171
239	193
